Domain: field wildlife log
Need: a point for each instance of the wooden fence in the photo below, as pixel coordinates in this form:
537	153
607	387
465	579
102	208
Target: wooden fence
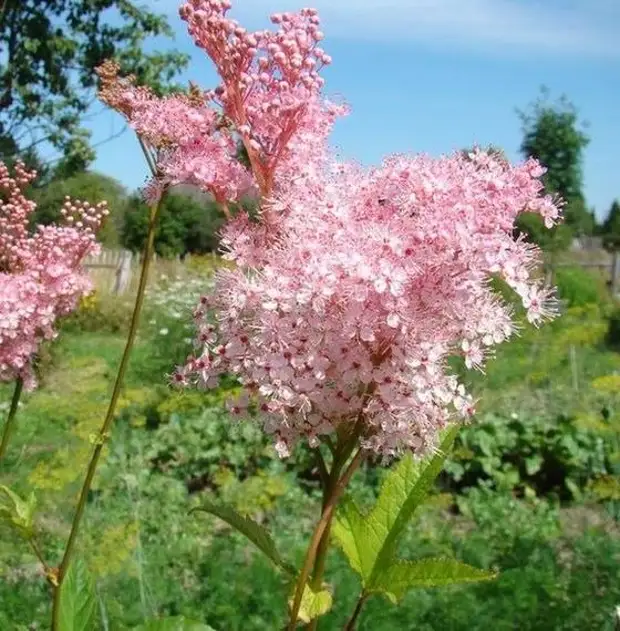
114	270
608	265
117	271
111	270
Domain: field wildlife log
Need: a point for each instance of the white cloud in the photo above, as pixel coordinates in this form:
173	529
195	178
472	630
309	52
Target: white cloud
575	27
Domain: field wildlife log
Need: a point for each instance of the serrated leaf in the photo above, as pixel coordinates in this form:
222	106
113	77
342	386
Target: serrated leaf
177	623
77	606
314	603
401	576
17	512
370	541
250	529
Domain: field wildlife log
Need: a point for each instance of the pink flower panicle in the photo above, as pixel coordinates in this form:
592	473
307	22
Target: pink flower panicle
41	277
15	210
268	78
193	147
270	100
355	285
376	278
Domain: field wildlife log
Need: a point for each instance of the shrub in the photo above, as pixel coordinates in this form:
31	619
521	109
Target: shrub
532	455
100	313
194	448
185	225
577	287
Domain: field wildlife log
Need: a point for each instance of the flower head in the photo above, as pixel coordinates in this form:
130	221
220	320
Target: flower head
347	317
269	101
41	277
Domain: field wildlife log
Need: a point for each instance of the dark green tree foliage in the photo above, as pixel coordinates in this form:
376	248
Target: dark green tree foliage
48	52
553	135
186	225
87	186
611	228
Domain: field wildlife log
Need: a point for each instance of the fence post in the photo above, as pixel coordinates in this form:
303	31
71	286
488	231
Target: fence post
123	273
615	272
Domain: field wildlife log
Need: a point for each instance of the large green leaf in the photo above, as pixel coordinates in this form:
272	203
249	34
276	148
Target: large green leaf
252	530
77	605
314	603
370	541
177	623
401	576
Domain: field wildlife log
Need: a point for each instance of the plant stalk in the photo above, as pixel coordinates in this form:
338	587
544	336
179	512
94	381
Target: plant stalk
350	625
37	552
109	418
320	529
10	419
340	458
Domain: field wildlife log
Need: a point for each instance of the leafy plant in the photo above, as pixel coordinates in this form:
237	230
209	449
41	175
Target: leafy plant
178	623
370	541
195	448
250	529
77	607
578	287
538	455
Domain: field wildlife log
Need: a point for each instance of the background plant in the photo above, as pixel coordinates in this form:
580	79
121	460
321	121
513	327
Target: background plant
49	52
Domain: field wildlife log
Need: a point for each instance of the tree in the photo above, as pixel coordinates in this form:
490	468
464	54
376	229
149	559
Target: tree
87	186
493	150
611	228
553	135
48	52
186	225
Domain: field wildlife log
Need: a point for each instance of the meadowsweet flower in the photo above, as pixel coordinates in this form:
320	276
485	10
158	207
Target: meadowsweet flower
41	277
355	285
183	129
375	278
269	100
269	78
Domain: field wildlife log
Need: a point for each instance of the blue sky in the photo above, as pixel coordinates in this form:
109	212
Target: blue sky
437	75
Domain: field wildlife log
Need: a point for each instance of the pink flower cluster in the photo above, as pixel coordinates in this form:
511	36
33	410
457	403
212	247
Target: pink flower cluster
376	278
269	100
268	78
356	285
40	274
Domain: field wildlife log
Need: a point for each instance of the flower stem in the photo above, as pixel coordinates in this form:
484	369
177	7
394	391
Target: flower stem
320	529
37	552
340	458
109	418
350	625
10	420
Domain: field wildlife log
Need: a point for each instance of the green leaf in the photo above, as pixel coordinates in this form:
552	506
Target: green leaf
18	513
370	541
533	464
177	623
252	530
77	599
401	576
314	603
573	488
